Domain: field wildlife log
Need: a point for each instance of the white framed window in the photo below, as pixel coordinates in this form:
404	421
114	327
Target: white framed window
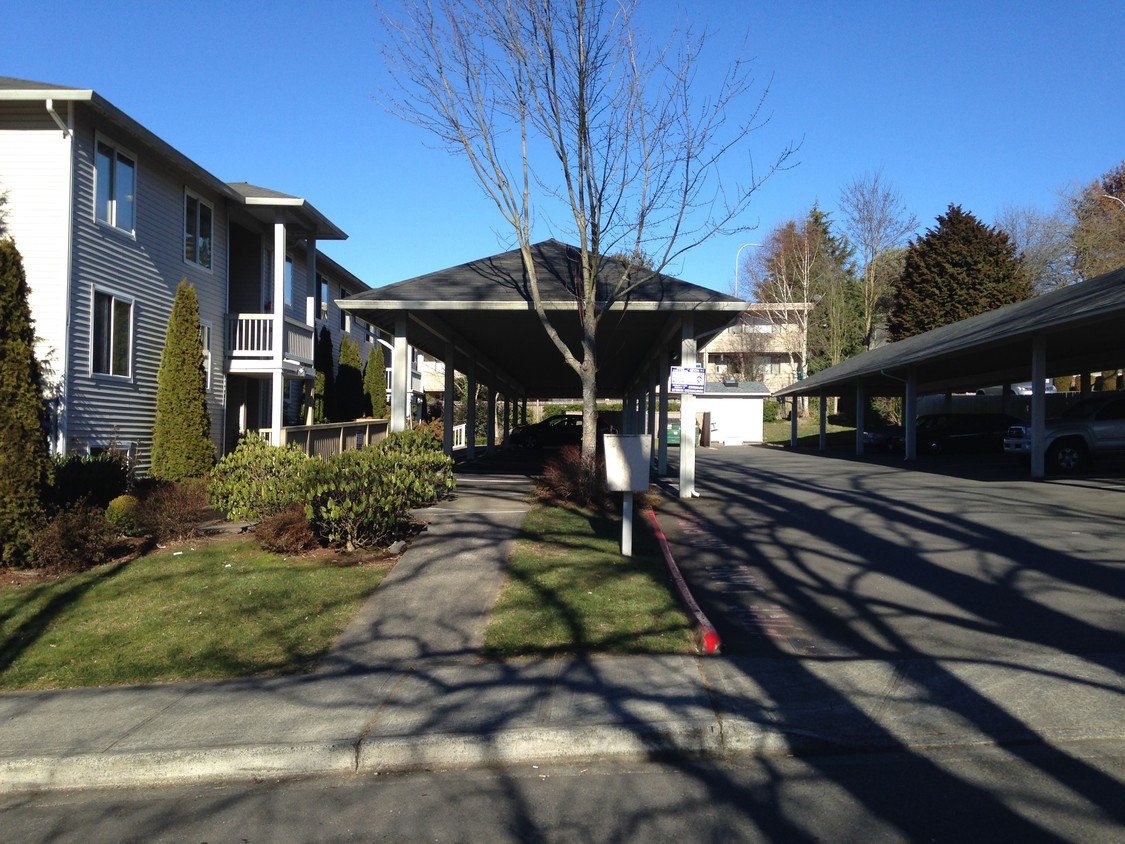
111	350
205	341
288	282
345	318
115	186
321	298
199	222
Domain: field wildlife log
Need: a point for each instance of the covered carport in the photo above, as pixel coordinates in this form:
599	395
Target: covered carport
1073	330
478	319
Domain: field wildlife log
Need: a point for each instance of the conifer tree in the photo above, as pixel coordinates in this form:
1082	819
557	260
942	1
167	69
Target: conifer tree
324	403
25	465
349	381
958	269
375	383
181	439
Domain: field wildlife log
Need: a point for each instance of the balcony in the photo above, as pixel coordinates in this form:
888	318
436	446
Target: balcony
251	340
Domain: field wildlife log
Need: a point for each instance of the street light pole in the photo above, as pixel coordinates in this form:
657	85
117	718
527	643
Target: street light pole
1104	196
737	256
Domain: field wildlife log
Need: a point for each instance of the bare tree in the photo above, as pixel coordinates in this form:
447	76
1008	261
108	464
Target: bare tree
875	220
1043	241
1099	224
562	104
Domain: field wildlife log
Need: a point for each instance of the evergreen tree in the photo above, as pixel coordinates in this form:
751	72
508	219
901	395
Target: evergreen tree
25	465
958	269
375	383
324	403
349	381
181	438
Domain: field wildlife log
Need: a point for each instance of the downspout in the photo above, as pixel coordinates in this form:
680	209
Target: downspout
55	116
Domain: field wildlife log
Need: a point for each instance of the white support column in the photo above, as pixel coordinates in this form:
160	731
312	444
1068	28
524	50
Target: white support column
400	377
277	385
1038	406
653	385
447	403
910	415
860	401
687	413
793	422
507	419
822	443
471	411
491	435
662	429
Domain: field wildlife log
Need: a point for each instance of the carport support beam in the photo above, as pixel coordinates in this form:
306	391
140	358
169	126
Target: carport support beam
910	415
400	376
447	405
471	411
793	422
860	406
662	428
687	413
822	444
1038	405
491	435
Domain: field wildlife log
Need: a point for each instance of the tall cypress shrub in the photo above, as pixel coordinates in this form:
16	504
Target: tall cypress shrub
324	388
349	381
181	439
375	383
25	465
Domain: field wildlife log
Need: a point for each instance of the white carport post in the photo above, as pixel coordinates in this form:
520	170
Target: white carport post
653	383
822	442
860	401
687	413
1038	405
793	421
910	415
447	405
400	376
471	410
662	430
490	437
277	393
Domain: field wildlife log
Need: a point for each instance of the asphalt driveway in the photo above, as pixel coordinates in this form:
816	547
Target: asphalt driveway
810	554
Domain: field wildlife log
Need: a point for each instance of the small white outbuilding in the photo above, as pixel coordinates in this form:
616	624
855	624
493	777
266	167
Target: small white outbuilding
736	409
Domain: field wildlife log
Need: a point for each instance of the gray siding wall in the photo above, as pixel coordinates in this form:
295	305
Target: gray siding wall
145	269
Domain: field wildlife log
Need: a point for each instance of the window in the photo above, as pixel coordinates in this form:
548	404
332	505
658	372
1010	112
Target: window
115	185
113	335
288	282
198	223
205	341
345	319
321	297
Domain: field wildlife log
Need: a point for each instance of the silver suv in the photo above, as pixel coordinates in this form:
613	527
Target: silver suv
1092	427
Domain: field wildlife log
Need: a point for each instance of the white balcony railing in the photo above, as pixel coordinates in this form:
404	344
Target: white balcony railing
250	338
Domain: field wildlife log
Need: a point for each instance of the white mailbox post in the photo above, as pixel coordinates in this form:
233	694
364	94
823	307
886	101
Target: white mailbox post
628	460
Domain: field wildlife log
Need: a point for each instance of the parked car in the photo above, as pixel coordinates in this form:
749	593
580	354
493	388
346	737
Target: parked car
1024	388
553	432
940	433
1089	428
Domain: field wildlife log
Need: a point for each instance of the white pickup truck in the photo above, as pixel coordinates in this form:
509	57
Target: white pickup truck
1087	429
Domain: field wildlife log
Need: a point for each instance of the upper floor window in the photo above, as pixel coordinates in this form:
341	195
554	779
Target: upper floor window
198	225
113	335
321	297
345	318
288	282
205	342
115	187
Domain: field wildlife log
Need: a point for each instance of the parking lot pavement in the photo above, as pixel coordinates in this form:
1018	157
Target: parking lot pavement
798	553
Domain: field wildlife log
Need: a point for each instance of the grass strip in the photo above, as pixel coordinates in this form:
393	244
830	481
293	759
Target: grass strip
223	608
570	592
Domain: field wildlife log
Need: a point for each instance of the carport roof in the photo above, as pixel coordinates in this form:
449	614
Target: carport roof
1081	326
484	308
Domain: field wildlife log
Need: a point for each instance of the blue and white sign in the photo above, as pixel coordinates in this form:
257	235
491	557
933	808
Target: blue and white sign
687	379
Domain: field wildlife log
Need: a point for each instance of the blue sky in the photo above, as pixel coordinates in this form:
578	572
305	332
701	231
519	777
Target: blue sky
984	104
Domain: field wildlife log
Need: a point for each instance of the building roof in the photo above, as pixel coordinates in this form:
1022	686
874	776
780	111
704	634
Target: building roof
1079	325
264	204
735	388
485	306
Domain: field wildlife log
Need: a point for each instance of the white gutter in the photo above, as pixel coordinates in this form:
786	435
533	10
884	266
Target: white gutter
55	116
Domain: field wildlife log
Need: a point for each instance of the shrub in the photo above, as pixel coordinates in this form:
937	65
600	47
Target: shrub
24	463
181	437
770	411
121	515
286	531
97	478
570	477
257	480
363	497
77	538
174	511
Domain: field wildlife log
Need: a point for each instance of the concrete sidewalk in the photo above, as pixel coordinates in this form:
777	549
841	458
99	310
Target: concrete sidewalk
403	690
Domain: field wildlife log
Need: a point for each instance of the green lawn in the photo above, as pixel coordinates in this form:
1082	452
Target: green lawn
221	608
808	433
570	592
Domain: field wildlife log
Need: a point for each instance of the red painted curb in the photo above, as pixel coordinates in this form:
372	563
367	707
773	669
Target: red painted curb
707	635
